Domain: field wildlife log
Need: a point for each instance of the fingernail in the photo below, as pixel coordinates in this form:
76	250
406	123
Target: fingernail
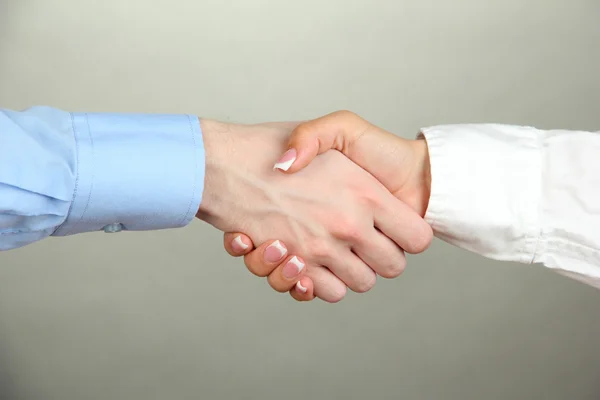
301	288
275	252
238	245
286	160
293	267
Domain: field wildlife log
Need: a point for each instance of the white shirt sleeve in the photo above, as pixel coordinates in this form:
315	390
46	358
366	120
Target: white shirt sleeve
519	194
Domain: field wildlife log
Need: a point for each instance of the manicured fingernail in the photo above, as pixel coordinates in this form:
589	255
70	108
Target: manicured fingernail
286	160
275	252
238	245
301	288
293	267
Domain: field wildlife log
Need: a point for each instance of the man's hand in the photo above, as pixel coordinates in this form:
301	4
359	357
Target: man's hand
333	213
401	165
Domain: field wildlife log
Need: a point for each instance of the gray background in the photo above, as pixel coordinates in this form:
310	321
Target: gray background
168	315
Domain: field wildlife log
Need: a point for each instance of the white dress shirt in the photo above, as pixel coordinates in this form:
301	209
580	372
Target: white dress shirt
518	193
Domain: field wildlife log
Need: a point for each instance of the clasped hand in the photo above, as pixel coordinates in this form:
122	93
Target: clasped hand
323	221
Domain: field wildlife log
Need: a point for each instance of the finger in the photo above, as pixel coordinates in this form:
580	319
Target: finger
357	275
403	225
333	131
381	254
267	257
303	290
327	286
237	244
285	276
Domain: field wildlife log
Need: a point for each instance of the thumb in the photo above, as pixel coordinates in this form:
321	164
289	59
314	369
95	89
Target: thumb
336	131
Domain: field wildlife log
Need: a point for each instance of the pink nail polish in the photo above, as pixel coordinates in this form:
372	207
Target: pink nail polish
293	267
301	288
238	245
275	252
286	160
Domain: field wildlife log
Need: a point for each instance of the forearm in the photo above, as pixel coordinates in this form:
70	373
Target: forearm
518	194
64	173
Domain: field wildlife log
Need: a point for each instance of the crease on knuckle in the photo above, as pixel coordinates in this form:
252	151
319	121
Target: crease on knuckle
393	269
256	268
420	242
365	283
348	230
337	295
303	131
276	286
318	249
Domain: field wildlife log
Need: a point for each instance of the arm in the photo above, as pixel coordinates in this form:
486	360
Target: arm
518	194
65	173
506	192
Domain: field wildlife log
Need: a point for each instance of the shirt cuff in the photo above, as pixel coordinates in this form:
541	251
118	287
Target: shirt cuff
135	172
485	188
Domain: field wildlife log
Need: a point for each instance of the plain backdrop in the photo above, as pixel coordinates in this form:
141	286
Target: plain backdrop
168	315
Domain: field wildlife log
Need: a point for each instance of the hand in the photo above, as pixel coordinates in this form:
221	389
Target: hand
401	165
333	213
301	288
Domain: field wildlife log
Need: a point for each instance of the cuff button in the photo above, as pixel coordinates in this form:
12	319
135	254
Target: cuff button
113	228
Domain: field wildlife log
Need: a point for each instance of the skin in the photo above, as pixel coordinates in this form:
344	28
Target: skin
346	225
401	165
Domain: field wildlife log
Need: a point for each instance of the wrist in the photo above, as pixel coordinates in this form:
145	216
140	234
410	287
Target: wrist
237	164
218	145
422	175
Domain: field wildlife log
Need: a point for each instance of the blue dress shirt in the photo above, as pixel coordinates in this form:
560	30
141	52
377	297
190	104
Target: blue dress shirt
65	173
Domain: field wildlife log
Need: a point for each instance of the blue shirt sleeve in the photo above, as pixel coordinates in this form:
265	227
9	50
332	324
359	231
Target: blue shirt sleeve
65	173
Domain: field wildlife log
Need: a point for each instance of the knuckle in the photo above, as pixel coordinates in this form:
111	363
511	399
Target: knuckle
365	283
303	131
318	249
345	114
371	198
256	267
394	269
337	295
348	230
276	285
421	241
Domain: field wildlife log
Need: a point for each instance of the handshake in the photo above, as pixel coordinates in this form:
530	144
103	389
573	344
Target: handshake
317	207
320	206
